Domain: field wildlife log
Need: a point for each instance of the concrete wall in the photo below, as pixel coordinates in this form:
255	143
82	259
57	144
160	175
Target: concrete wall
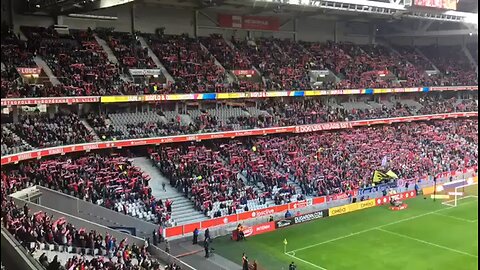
93	213
148	17
14	255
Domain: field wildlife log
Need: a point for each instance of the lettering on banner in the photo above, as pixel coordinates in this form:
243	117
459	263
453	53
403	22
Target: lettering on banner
55	151
262	213
284	223
248	232
90	146
308	217
367	204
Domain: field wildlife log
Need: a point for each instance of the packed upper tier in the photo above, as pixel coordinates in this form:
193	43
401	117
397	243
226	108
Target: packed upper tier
210	64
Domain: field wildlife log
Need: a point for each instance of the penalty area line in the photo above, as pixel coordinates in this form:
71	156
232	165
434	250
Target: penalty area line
427	243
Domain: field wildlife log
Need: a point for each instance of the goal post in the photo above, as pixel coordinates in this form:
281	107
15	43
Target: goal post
461	193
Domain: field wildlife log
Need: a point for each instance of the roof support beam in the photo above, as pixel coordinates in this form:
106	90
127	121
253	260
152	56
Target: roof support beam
439	33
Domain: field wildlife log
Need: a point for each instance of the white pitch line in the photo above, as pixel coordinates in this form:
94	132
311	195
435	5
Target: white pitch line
307	262
370	229
456	218
426	242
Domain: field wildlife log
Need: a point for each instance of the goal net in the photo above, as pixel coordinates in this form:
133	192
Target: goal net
460	192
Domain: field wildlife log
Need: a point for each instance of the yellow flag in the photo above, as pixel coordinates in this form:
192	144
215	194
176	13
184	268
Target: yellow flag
285	242
392	174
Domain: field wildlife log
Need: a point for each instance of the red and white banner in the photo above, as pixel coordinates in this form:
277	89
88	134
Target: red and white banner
442	4
246	72
259	229
324	126
52	100
399	196
249	22
29	71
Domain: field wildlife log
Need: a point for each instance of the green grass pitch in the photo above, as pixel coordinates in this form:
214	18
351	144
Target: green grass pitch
427	235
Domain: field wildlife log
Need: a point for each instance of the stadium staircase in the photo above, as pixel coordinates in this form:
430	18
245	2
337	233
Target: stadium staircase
41	63
90	129
3	67
156	60
470	57
429	61
230	76
337	79
111	56
182	208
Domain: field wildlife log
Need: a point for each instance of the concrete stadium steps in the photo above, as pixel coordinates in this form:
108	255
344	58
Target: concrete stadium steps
90	129
111	56
182	208
268	201
155	59
41	63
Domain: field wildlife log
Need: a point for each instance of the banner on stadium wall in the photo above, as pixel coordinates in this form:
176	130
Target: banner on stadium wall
249	22
219	96
145	72
351	207
259	229
441	4
29	71
119	99
246	72
400	196
52	100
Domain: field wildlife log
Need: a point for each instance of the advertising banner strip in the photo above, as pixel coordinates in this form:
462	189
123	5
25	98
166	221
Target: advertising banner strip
61	150
51	100
220	96
351	207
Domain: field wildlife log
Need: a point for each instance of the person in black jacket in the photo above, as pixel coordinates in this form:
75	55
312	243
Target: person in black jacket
206	246
207	235
195	236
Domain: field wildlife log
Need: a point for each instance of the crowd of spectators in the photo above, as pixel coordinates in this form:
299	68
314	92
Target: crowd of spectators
280	70
14	54
83	68
453	64
279	114
39	228
191	65
42	130
324	163
108	180
11	143
128	49
200	174
76	59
